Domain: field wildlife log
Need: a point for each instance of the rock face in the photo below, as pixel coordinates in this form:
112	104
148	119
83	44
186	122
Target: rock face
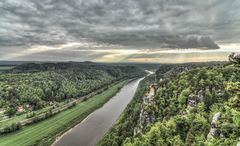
238	144
193	100
234	58
213	129
147	115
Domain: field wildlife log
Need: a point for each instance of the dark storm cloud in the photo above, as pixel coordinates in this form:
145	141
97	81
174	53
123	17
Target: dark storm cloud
130	23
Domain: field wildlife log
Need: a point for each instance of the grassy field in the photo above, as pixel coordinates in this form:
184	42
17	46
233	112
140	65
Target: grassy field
43	133
18	118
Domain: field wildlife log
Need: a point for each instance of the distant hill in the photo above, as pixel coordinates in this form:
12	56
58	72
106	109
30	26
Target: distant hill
12	63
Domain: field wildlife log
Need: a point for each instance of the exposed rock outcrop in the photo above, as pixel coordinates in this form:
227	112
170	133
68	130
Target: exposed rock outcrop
193	100
147	114
238	144
213	129
234	58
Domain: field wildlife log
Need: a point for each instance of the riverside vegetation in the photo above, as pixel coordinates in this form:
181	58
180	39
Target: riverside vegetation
44	132
196	104
36	91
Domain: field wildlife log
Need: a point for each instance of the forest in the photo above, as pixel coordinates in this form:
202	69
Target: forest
34	86
194	105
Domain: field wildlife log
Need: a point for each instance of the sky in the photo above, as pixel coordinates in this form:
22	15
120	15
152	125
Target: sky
165	31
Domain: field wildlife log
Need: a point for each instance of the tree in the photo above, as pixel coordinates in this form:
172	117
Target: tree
10	111
1	102
184	96
177	141
182	126
190	137
208	99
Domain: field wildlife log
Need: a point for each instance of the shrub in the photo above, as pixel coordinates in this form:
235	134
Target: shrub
11	128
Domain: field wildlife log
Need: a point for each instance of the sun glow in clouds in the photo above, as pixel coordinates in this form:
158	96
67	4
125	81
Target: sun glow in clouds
103	52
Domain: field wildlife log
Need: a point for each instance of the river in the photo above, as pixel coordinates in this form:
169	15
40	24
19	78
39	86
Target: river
93	128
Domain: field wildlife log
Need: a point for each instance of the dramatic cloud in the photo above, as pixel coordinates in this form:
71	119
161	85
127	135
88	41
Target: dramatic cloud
115	24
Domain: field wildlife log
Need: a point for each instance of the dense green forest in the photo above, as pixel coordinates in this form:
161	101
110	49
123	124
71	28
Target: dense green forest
33	86
195	105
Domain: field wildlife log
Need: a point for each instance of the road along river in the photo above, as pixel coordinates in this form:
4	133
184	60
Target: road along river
93	128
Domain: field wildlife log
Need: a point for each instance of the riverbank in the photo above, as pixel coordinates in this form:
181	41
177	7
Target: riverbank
45	132
127	121
93	128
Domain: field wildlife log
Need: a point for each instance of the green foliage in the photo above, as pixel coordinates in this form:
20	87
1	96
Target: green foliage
30	115
11	128
35	85
187	102
10	111
184	96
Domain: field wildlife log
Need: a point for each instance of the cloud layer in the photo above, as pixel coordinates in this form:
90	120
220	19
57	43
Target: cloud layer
125	24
